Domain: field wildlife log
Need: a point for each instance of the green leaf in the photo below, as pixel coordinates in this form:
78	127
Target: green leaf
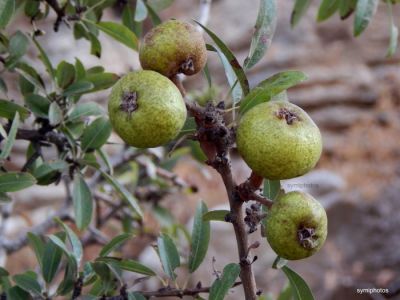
78	87
96	134
55	114
85	110
28	283
95	45
3	272
124	193
127	265
299	9
47	171
80	71
18	45
8	110
76	244
16	293
120	33
270	87
155	18
14	181
286	293
216	215
271	188
238	70
327	9
7	9
51	258
38	105
101	81
5	152
70	277
159	5
200	238
65	74
3	86
346	8
83	204
31	8
221	286
37	246
365	11
59	243
265	29
168	254
114	243
394	33
106	159
300	289
236	89
45	59
30	74
140	11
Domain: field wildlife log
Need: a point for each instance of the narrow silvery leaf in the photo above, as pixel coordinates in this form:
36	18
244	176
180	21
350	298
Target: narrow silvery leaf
271	87
300	289
55	114
264	31
169	255
7	9
200	238
299	9
5	152
14	181
221	286
236	67
365	10
83	204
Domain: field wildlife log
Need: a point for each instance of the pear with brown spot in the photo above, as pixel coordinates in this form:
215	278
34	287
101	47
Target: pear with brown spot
278	140
173	47
296	226
146	109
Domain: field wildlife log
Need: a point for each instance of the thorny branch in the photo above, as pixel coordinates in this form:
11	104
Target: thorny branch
216	139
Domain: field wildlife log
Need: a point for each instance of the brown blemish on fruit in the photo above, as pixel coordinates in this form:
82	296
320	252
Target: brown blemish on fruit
187	67
129	102
307	237
289	116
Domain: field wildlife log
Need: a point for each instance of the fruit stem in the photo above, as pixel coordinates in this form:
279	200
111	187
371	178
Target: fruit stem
178	82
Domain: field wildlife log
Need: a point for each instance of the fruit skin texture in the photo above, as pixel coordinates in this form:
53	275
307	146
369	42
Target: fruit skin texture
173	47
146	109
293	214
278	140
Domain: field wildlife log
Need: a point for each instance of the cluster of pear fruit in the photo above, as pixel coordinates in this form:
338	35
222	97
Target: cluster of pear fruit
277	139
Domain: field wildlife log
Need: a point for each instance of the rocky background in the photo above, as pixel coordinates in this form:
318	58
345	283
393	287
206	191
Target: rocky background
353	94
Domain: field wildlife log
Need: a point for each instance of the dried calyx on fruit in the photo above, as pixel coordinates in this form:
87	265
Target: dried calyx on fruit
173	47
278	140
296	226
146	109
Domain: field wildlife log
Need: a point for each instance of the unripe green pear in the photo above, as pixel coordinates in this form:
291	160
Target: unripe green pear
146	109
278	140
173	47
296	226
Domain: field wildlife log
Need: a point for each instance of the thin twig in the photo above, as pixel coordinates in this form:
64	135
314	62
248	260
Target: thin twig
173	292
13	245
